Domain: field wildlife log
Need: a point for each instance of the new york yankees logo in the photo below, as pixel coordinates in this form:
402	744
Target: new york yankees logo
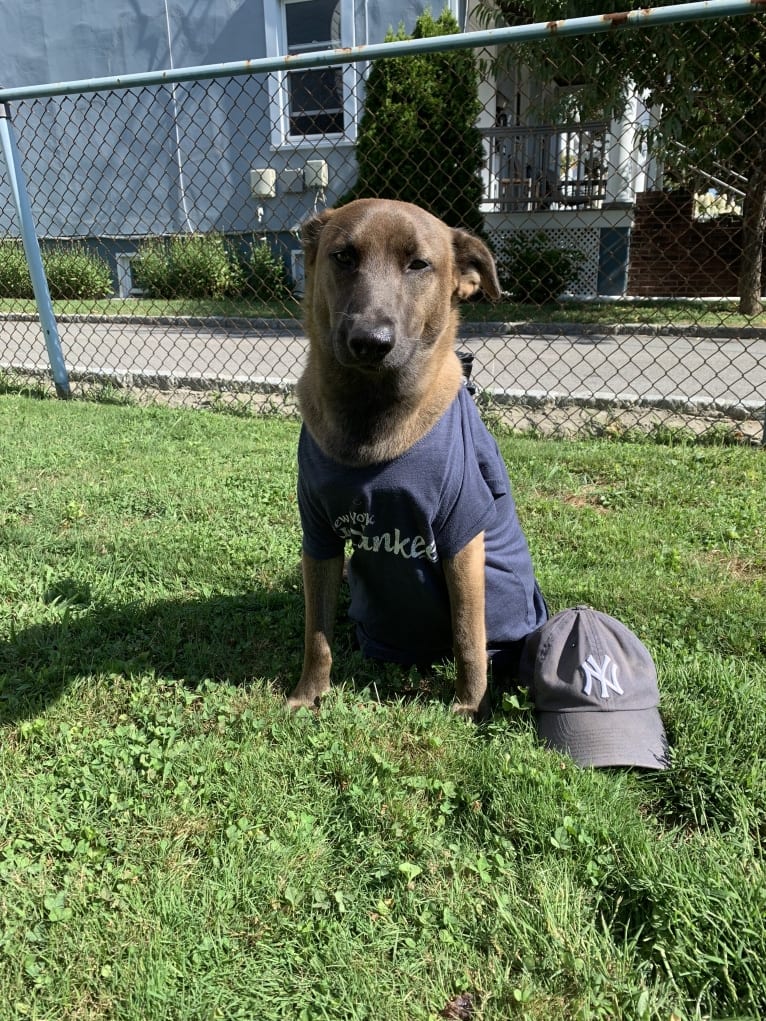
605	673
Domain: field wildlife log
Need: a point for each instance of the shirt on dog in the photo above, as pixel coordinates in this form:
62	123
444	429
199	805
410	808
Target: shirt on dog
402	518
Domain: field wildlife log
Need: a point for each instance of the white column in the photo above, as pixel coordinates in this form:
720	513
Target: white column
622	157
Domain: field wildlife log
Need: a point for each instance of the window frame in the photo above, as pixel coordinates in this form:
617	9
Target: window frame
279	99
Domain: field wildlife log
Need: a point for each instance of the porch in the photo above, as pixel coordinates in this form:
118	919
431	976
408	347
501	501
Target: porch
546	168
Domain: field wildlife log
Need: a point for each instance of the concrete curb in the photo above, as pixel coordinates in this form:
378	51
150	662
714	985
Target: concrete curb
169	381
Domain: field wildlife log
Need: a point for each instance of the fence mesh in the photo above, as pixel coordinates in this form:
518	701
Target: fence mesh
169	221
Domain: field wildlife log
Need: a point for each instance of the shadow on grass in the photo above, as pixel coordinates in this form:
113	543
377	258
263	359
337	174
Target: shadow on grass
234	639
227	638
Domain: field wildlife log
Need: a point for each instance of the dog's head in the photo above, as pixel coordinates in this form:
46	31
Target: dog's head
382	283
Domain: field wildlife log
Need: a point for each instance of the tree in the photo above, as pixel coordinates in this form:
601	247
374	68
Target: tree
418	141
704	78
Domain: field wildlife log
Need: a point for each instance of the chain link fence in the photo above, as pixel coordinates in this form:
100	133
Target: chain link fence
169	216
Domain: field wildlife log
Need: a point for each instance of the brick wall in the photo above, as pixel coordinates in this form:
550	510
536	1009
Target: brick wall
672	255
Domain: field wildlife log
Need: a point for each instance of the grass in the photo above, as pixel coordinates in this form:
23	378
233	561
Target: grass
653	312
190	307
174	845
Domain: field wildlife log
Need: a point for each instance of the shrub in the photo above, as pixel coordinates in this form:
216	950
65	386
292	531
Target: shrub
418	140
72	272
203	268
150	269
266	275
15	281
534	270
75	273
189	266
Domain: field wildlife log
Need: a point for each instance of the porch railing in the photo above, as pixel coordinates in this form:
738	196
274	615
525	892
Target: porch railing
531	168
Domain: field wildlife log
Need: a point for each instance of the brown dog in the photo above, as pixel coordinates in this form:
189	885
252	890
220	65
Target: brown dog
380	394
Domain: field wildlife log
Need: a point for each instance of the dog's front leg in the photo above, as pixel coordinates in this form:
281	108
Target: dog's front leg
321	585
464	574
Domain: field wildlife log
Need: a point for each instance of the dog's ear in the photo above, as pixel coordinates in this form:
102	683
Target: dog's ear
475	267
311	231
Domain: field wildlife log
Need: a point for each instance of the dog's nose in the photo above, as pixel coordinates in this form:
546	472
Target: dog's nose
371	346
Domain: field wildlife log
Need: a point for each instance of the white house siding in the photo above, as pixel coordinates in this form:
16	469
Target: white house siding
164	159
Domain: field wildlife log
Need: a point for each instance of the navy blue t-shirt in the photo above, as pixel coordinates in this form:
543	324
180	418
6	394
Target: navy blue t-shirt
402	518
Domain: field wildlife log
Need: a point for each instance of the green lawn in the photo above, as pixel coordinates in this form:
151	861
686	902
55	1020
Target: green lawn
175	845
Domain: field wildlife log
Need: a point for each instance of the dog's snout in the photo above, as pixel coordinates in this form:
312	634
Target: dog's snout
371	345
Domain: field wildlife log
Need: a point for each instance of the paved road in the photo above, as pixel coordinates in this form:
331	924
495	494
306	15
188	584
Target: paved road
729	371
700	370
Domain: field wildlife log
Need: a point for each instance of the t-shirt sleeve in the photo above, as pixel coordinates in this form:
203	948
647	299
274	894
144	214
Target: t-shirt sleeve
320	540
470	508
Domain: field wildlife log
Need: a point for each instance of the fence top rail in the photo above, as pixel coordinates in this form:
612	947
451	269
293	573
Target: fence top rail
642	18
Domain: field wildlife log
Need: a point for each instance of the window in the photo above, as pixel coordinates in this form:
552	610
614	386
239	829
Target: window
315	97
312	103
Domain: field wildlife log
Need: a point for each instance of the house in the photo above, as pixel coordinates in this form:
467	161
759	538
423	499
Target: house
253	155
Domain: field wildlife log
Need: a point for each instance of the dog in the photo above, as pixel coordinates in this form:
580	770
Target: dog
394	460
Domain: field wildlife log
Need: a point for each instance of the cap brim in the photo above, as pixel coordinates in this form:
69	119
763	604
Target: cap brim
628	738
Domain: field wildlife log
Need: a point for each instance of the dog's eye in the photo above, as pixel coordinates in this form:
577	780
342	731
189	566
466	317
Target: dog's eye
345	257
418	265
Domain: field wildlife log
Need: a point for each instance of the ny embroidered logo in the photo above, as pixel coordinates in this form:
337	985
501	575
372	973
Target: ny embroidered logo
605	674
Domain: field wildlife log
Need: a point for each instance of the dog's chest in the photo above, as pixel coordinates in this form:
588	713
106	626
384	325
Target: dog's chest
392	509
424	505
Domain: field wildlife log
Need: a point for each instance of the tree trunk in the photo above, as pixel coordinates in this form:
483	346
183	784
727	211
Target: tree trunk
753	234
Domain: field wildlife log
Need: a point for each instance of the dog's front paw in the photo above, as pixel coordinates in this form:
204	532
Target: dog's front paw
306	696
476	712
293	704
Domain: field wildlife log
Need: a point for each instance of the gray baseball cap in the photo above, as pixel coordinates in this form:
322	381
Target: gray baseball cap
594	687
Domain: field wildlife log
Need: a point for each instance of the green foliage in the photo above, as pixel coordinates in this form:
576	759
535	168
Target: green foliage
534	270
675	64
266	275
150	269
187	266
15	281
72	273
418	141
179	846
201	266
703	81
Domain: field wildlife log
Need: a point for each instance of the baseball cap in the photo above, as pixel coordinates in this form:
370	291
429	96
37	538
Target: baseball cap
594	686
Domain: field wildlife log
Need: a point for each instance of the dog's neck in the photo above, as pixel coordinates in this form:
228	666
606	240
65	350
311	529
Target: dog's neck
359	420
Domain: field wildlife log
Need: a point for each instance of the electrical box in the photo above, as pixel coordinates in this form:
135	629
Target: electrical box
263	183
291	181
315	174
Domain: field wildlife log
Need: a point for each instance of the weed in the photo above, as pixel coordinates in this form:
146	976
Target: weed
266	278
15	281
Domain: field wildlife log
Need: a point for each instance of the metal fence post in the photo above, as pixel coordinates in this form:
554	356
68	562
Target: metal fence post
32	251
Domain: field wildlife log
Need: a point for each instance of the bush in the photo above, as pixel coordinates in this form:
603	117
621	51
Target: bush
75	273
15	281
150	269
72	272
534	270
266	276
190	266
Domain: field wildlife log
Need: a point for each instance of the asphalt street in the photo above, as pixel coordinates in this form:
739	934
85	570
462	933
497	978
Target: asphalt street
727	371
